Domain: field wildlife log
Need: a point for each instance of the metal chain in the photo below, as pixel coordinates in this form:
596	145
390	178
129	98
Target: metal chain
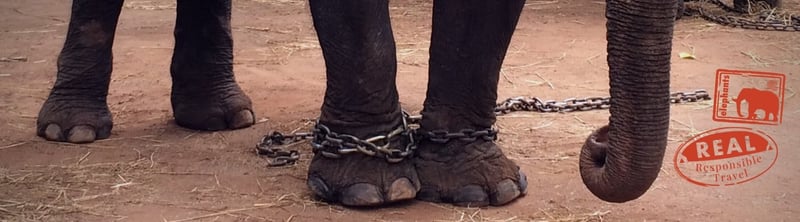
534	104
696	96
334	145
762	20
467	135
273	146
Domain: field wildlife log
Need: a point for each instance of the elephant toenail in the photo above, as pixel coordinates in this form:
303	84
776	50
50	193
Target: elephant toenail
242	119
402	189
319	188
81	134
472	196
53	132
361	194
523	183
507	191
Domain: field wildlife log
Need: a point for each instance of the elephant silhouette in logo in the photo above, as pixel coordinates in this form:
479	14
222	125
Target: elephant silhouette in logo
758	100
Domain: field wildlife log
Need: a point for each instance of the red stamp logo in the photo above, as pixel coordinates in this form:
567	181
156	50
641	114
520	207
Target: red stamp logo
726	156
749	97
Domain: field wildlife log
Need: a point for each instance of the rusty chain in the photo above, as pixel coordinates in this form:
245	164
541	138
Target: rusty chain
333	145
759	16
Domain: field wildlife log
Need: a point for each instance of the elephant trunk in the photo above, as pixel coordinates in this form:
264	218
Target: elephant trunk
619	162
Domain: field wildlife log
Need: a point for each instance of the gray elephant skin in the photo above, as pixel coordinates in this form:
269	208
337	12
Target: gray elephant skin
618	162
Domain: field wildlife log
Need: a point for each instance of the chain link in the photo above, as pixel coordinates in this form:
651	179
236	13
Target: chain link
273	146
333	145
764	19
696	96
534	104
467	135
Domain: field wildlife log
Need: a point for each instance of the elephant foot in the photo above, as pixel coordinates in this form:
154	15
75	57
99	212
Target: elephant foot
357	179
222	106
464	173
74	119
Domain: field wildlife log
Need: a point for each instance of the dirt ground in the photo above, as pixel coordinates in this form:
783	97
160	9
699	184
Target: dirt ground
152	170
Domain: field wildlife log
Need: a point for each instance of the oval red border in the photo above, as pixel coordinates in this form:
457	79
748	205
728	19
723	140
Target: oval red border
717	130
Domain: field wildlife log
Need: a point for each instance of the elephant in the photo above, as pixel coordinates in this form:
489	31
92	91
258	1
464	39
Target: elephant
205	95
469	41
758	100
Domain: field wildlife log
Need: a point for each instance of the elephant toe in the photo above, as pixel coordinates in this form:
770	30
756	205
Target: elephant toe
213	113
78	134
242	119
507	190
364	194
73	119
361	195
362	181
401	189
82	134
52	132
523	183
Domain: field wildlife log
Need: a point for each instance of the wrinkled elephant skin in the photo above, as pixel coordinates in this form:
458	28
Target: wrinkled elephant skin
205	95
469	41
468	44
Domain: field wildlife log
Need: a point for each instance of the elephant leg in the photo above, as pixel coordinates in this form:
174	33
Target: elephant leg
76	109
468	44
360	100
205	95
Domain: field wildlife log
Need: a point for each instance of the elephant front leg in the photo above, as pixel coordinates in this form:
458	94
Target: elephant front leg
468	45
205	95
360	100
76	109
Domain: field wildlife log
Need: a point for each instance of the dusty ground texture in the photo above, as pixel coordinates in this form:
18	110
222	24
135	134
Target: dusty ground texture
152	170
